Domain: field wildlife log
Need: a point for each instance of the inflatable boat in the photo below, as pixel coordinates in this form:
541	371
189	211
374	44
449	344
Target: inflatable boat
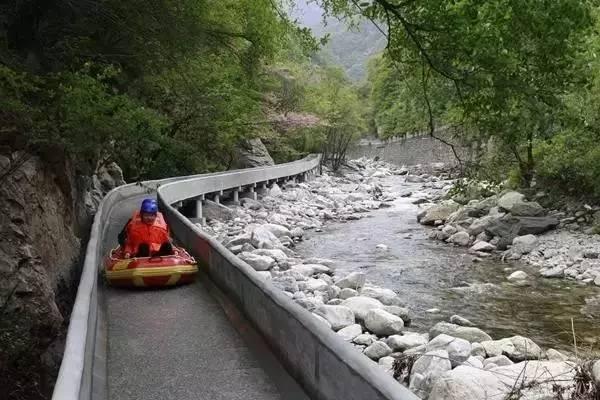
176	269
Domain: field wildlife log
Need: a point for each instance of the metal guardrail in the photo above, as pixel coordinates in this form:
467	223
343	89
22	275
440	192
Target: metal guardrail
321	361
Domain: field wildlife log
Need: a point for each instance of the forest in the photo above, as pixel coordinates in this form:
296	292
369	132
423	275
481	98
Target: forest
169	88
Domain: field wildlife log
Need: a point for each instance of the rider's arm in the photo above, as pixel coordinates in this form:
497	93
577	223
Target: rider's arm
122	238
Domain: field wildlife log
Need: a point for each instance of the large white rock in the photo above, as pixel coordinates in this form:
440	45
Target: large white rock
355	280
365	339
338	316
263	238
310	269
361	305
406	341
350	332
468	383
500	361
479	225
439	212
458	320
316	284
277	230
524	244
517	276
238	240
555	355
377	293
508	200
276	254
555	272
346	293
474	362
460	238
449	230
464	332
459	350
427	370
517	348
401	312
482	246
259	263
377	350
382	323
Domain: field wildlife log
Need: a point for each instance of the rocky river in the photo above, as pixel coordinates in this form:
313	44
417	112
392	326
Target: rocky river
450	321
429	274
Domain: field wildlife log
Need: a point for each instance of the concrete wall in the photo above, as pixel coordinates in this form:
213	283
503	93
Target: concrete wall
410	151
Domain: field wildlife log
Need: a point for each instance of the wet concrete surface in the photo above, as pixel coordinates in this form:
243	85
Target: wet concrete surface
186	342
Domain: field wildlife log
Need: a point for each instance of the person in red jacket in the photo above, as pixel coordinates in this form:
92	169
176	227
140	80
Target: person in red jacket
146	233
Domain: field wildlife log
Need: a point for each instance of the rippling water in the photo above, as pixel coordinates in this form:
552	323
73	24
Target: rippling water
429	274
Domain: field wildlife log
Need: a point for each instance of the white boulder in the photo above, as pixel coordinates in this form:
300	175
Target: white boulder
460	239
382	323
338	316
377	350
406	341
355	280
427	370
361	305
259	263
459	350
524	244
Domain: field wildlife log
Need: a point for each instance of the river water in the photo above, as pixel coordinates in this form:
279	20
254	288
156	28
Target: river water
430	274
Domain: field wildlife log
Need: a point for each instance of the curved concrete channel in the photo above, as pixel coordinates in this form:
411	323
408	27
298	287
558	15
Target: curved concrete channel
228	336
178	343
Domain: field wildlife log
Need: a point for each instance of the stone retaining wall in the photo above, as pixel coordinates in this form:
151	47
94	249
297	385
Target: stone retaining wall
422	149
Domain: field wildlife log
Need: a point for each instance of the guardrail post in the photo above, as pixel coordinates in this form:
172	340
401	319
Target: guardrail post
199	209
236	196
217	198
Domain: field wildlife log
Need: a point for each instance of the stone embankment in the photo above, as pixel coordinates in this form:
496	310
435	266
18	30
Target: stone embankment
511	227
453	360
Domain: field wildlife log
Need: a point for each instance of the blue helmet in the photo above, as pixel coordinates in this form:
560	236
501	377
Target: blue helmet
149	206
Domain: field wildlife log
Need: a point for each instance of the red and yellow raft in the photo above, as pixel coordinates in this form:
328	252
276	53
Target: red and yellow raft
176	269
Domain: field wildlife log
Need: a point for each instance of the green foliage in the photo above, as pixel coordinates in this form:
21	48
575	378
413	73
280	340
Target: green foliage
398	102
329	109
509	63
467	189
163	88
569	159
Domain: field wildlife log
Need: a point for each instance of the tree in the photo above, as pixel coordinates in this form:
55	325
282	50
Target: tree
509	61
338	104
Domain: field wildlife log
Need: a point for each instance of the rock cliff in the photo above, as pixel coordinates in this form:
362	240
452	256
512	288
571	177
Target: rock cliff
45	214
